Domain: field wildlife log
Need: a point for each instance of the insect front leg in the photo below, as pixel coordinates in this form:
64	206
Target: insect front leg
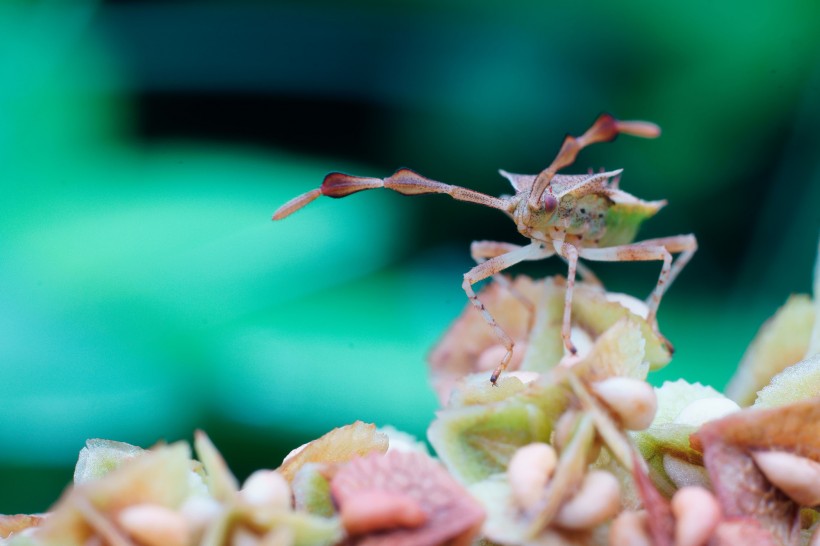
587	274
652	249
570	254
493	266
481	251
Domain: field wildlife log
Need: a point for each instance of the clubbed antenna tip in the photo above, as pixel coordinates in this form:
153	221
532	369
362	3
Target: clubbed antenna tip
643	129
296	203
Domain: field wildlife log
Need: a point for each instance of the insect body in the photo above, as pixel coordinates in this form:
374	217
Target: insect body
574	216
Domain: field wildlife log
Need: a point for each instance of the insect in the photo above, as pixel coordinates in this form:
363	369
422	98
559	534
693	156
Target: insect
573	216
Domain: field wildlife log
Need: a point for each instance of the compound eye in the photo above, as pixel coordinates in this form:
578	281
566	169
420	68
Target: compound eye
550	203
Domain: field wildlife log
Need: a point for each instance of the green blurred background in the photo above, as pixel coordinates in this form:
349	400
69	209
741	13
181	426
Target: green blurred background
144	291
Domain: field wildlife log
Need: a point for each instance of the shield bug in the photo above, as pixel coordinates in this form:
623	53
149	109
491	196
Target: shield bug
574	216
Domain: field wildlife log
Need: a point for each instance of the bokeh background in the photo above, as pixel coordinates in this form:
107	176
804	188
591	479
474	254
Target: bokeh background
144	291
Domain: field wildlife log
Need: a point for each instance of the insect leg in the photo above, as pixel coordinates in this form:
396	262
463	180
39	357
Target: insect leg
604	129
481	251
570	254
652	249
587	274
533	251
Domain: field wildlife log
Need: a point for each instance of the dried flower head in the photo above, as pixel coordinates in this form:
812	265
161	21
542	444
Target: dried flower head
535	328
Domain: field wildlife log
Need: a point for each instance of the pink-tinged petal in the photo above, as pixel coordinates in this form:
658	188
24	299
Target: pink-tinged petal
660	521
403	499
741	488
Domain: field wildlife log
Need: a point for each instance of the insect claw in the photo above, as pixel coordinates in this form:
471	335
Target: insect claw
570	347
667	344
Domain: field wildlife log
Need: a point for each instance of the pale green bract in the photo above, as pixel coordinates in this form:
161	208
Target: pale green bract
795	383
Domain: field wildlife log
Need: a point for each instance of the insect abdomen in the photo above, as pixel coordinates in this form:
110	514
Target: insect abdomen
623	222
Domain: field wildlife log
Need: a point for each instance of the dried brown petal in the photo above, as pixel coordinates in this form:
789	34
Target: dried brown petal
794	428
744	492
337	446
405	478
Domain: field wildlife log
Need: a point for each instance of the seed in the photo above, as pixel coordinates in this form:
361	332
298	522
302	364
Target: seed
266	488
529	470
629	528
199	511
697	515
154	525
633	401
798	477
597	500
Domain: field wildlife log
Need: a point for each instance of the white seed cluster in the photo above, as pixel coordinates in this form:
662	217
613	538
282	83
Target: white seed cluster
597	499
697	514
530	468
151	524
630	528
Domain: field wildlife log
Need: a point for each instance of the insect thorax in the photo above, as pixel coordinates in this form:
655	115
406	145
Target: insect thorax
581	219
587	218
